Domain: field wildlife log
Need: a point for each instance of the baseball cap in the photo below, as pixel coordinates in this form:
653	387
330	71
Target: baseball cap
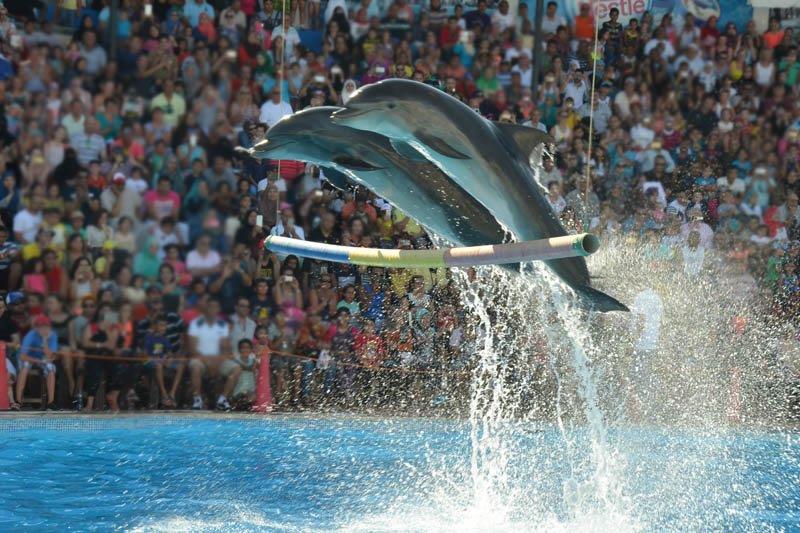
119	178
14	298
40	320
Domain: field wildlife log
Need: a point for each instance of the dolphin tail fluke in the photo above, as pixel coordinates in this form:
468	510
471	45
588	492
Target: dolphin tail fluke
601	301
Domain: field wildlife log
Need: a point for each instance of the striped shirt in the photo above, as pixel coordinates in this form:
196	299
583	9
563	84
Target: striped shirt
88	147
175	329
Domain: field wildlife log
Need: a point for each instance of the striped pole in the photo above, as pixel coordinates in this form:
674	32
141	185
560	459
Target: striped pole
490	254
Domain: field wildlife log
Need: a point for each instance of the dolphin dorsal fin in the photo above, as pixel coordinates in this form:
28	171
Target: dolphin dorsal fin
525	137
407	151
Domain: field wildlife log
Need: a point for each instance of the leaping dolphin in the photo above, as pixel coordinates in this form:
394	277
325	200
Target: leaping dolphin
488	160
413	184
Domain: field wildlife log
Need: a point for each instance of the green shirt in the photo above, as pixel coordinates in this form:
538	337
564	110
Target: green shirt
792	71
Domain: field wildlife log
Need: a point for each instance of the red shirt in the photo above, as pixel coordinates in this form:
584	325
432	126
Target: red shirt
164	205
54	279
773	39
449	37
584	28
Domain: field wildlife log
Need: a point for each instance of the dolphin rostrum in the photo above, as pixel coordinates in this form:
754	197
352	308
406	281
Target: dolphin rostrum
489	160
414	185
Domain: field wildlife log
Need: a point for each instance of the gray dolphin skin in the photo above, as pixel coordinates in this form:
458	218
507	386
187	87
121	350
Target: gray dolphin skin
417	187
488	160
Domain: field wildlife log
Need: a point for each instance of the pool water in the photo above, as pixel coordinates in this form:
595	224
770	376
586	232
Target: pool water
173	473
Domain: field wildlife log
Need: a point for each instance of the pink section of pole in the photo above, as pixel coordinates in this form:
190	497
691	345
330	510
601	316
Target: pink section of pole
263	403
542	250
3	378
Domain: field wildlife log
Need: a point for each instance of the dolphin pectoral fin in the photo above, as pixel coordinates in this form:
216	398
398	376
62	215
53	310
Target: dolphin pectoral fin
407	151
525	137
353	163
336	178
439	145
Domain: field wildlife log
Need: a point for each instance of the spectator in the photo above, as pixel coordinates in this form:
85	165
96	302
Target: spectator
274	109
39	350
209	346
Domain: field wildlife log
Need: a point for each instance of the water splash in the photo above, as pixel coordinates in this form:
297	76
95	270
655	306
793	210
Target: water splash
505	400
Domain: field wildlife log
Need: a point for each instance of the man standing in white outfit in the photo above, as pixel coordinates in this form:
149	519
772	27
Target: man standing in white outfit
646	314
274	109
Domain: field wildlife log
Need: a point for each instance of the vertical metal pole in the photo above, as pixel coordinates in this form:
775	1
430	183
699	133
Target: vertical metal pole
112	30
537	46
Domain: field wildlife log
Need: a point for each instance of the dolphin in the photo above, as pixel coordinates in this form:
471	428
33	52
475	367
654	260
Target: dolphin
413	184
489	160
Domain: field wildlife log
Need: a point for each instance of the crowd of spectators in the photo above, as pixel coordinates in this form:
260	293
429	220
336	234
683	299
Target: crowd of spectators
131	227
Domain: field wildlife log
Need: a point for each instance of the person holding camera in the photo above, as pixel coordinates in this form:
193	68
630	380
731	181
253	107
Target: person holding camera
287	228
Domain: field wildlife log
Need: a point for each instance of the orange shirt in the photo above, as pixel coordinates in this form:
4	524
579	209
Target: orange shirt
584	28
773	39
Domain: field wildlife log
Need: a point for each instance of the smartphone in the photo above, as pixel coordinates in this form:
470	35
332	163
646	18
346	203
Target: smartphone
464	36
148	10
319	78
192	140
230	54
380	70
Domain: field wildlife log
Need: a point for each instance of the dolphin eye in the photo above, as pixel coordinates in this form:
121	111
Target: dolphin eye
391	105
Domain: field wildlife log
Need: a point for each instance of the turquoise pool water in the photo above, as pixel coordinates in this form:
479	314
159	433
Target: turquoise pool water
169	473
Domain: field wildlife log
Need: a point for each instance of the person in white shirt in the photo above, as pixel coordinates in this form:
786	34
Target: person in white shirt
202	262
789	211
73	121
692	59
660	37
693	255
517	50
647	158
502	19
121	201
641	134
290	36
626	97
274	109
286	226
689	33
209	347
273	178
552	20
732	181
525	70
576	89
28	220
647	312
696	223
550	172
554	197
